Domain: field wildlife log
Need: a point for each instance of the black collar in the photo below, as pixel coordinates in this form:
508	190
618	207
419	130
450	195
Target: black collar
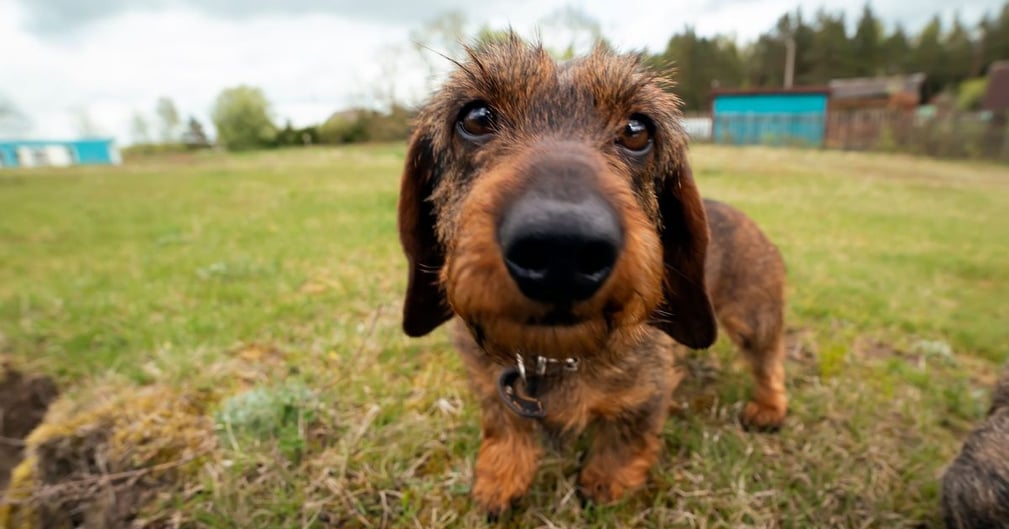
523	400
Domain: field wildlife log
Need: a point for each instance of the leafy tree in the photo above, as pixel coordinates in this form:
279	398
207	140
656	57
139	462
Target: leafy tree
140	129
242	117
169	116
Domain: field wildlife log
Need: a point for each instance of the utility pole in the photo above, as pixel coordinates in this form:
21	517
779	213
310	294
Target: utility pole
789	61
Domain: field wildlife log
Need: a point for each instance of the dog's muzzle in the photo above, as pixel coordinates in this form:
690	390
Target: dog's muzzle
560	239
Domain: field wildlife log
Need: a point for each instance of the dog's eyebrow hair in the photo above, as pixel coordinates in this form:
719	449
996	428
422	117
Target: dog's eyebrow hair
458	64
474	55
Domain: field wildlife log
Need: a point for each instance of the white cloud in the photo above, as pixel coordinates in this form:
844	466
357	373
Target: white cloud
123	64
309	59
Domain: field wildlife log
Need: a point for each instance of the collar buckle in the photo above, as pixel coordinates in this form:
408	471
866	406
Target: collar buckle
524	402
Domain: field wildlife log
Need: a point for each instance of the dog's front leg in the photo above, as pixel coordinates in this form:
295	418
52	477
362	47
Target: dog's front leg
508	458
624	449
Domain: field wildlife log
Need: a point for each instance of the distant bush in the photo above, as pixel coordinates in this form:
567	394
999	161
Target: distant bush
141	150
347	127
887	141
389	127
970	94
357	126
296	137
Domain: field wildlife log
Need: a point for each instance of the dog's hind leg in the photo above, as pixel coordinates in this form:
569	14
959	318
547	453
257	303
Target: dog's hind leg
759	336
746	278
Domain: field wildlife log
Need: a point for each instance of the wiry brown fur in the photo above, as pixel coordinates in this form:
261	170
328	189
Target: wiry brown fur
660	290
975	487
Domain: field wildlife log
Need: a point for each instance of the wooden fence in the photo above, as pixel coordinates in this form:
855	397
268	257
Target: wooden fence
943	134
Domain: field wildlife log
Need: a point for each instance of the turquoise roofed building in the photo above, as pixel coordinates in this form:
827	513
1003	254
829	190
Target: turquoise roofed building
58	153
795	116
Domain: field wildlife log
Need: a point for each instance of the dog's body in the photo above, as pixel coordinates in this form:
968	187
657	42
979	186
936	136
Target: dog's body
975	487
550	209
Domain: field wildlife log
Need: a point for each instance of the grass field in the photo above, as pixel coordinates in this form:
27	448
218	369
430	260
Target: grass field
280	272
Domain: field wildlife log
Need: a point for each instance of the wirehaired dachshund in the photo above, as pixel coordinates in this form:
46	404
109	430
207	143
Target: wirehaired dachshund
549	209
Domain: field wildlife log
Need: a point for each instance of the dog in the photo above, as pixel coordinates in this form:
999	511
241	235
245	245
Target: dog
549	210
975	487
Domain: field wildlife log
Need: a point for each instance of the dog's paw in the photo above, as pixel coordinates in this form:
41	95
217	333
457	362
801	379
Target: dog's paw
761	417
494	501
598	493
600	489
494	517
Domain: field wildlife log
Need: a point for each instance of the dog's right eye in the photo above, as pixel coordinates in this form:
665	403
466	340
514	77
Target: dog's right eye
476	122
636	136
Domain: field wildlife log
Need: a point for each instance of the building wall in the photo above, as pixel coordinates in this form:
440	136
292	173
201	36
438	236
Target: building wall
697	127
8	155
782	119
36	153
93	152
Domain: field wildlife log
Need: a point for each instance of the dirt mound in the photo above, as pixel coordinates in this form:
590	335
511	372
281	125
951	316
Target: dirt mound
103	454
23	403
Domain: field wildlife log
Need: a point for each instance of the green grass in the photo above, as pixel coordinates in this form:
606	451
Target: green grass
169	270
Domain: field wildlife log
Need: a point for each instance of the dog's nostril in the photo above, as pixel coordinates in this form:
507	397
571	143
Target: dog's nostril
529	256
560	251
596	258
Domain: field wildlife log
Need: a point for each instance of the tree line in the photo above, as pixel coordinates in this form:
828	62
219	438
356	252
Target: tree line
825	49
244	120
954	59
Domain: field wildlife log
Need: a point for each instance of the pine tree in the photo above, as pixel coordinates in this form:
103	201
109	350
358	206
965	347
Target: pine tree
896	52
867	45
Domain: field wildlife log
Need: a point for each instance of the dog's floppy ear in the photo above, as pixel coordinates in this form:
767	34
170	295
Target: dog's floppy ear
685	313
425	307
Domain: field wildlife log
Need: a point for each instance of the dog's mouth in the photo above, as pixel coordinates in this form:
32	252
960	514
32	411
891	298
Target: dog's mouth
558	317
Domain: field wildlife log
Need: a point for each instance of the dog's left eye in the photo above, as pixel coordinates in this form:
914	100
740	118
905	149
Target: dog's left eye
636	135
476	122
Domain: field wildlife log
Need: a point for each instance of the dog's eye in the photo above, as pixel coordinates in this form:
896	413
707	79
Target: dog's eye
476	122
636	136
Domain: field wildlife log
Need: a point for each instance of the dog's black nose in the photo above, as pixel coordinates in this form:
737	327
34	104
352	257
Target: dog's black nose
560	251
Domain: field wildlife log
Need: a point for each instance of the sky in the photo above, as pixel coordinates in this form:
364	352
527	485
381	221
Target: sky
64	63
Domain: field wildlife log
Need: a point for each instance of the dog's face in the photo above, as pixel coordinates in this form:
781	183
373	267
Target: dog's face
550	206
